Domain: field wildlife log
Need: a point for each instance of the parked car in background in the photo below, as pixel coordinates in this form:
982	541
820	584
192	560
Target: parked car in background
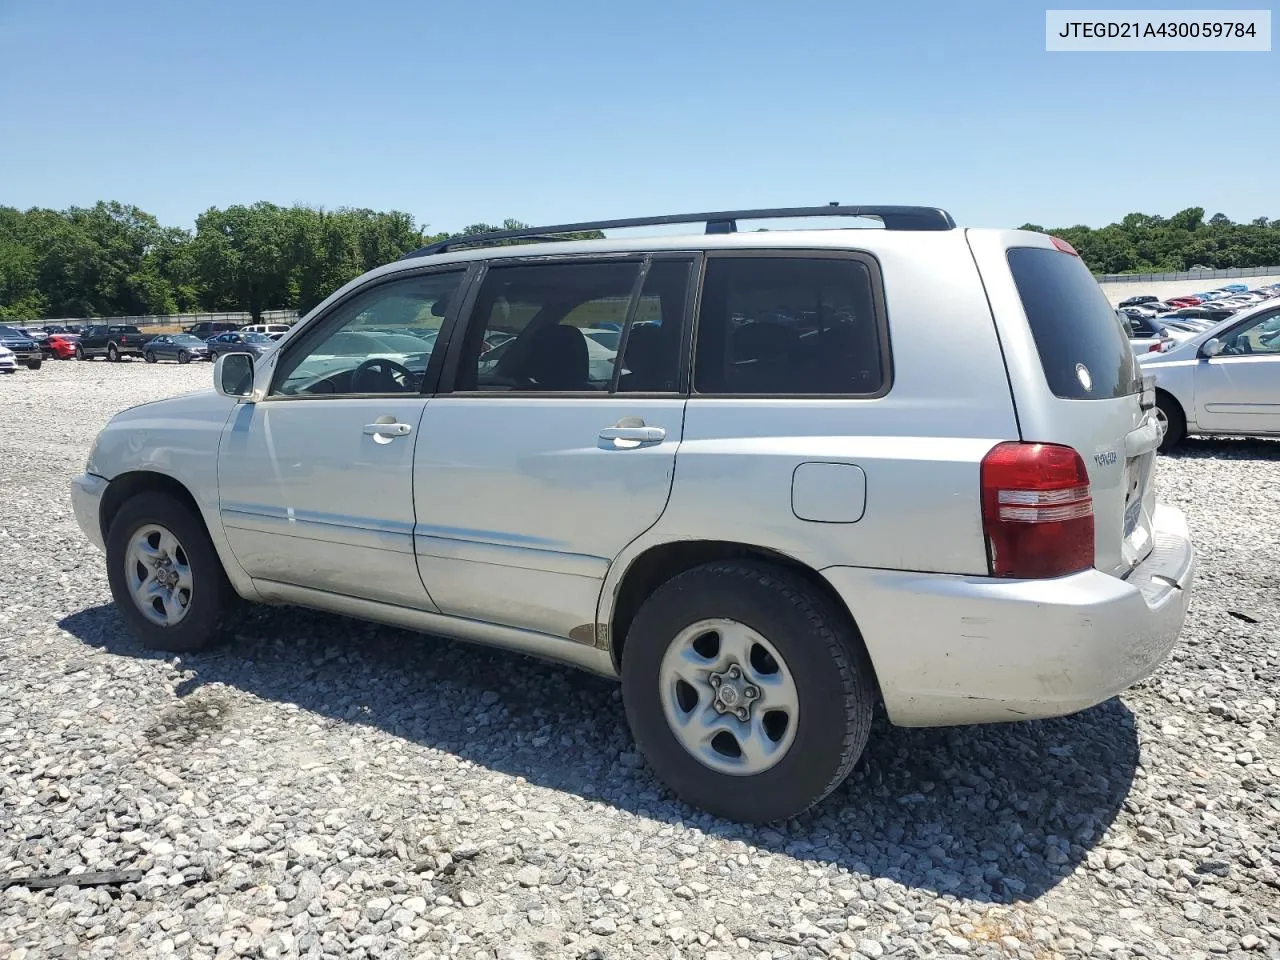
1138	301
1143	342
1223	381
25	350
182	347
273	330
835	539
237	342
115	341
1235	287
1211	313
208	328
1148	327
8	361
59	346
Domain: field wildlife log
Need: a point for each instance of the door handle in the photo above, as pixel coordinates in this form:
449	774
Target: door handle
388	429
642	434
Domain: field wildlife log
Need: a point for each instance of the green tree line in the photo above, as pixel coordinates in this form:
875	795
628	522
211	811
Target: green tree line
113	259
1144	243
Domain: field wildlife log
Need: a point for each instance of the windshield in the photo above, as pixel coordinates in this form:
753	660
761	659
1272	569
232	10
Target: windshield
257	338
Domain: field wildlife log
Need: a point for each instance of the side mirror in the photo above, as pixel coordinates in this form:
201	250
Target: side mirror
233	375
1211	347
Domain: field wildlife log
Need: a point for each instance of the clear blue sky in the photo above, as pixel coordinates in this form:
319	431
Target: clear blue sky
554	110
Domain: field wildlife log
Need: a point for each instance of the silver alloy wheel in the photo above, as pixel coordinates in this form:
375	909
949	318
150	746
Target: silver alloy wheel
729	697
159	575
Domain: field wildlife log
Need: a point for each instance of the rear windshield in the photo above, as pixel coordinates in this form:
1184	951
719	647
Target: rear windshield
1083	347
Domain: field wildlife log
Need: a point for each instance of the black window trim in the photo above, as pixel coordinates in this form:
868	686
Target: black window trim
643	259
306	338
878	306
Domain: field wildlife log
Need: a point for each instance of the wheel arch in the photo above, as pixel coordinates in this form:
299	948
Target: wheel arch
125	486
660	562
1173	398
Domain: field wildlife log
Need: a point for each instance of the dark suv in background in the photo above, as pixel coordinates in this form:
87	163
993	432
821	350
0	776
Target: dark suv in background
209	328
25	349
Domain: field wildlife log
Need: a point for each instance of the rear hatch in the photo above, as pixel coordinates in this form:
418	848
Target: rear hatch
1075	381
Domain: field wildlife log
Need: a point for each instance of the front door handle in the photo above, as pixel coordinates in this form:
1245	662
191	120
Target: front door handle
388	430
641	434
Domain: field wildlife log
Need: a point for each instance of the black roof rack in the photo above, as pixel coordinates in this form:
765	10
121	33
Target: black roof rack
723	221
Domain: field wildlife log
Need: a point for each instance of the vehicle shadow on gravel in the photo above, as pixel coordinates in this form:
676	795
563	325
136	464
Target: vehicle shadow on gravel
1226	448
997	814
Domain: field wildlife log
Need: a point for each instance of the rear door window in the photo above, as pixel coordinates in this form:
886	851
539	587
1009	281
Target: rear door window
1084	349
790	325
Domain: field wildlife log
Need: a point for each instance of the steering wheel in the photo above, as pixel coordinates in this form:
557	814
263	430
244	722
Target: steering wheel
390	374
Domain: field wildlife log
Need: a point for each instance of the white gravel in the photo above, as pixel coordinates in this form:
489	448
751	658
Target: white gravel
319	787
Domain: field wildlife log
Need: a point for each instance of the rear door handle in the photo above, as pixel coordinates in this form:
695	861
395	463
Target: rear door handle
642	434
388	429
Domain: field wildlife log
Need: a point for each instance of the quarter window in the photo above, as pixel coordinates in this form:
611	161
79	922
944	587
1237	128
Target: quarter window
788	325
379	341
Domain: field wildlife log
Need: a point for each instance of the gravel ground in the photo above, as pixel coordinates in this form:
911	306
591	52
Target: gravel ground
319	787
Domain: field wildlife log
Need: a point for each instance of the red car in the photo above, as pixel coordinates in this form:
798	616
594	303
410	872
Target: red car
1184	301
59	346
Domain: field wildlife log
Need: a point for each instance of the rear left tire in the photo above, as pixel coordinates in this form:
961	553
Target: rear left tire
34	364
749	694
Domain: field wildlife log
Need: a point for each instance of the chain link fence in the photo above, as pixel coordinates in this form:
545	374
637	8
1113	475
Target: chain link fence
1227	273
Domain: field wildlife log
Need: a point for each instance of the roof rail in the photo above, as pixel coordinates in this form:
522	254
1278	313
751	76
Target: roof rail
723	221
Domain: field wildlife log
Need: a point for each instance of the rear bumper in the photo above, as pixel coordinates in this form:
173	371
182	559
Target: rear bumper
86	500
954	650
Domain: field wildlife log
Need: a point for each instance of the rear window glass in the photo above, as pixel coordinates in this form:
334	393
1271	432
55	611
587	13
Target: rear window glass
1084	349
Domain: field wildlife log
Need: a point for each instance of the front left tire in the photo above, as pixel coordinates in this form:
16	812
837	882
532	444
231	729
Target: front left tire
165	575
34	364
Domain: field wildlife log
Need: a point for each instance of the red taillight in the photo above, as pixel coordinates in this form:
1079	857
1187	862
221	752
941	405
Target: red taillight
1037	512
1064	246
1156	348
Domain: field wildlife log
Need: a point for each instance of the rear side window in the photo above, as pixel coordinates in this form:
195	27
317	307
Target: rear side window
1084	349
789	325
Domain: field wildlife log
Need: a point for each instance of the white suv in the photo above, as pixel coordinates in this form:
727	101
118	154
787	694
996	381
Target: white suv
820	469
